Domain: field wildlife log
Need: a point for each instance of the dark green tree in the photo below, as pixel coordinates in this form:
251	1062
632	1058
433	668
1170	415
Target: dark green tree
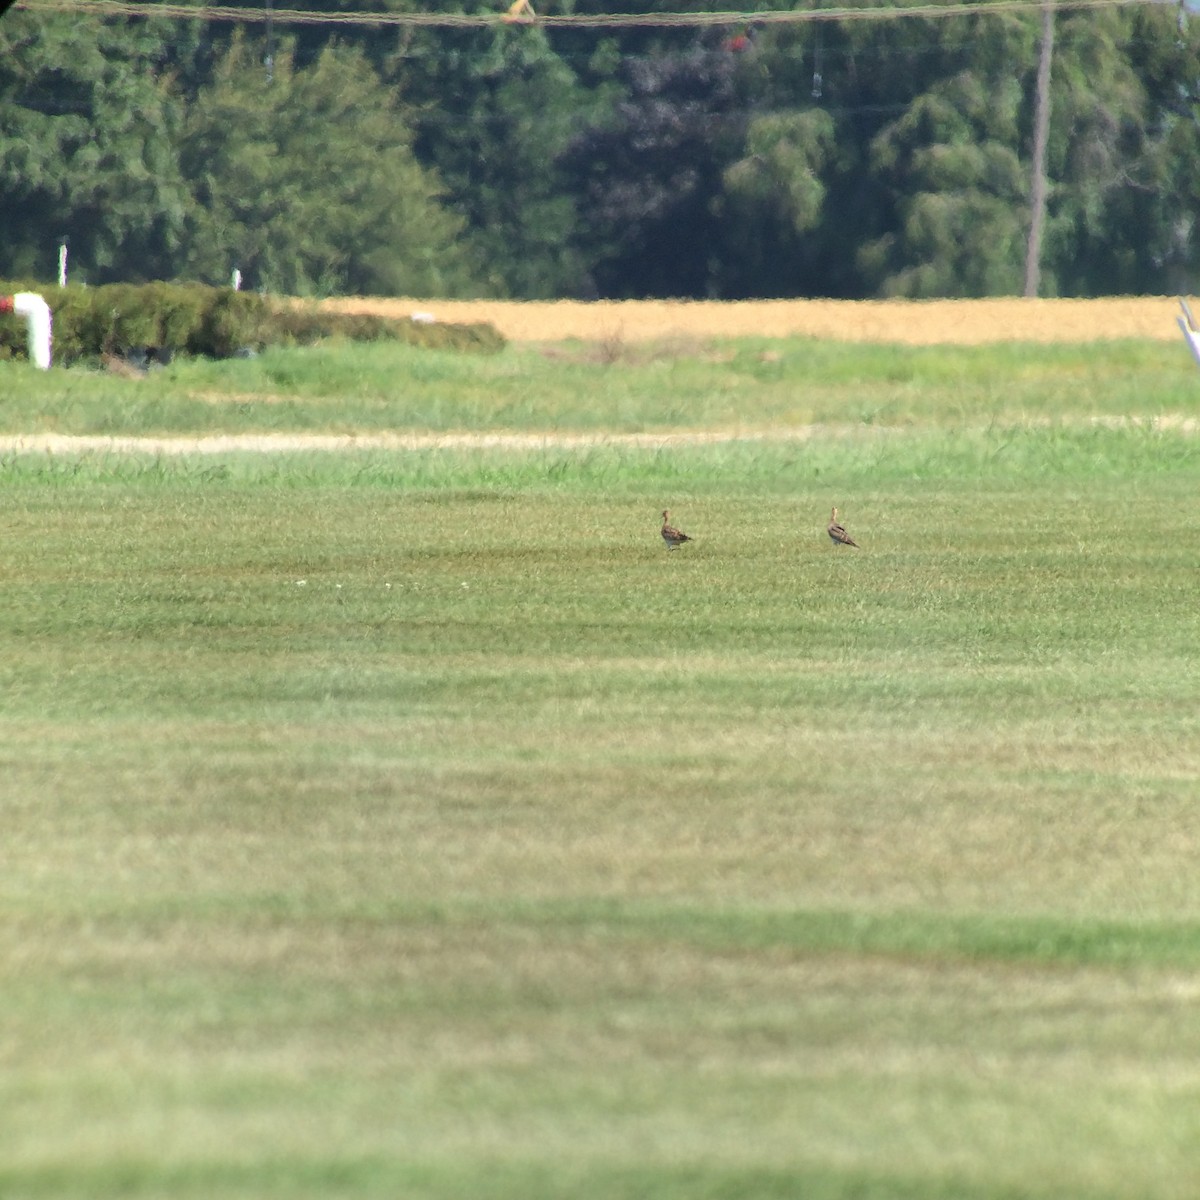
88	124
807	195
961	193
1123	153
495	109
650	176
952	168
306	182
843	158
773	198
1168	63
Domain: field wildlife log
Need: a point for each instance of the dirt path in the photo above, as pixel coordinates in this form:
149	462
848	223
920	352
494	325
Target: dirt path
57	443
285	443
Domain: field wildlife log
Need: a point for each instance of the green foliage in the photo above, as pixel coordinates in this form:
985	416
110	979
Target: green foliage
952	161
230	322
784	157
497	110
216	322
88	148
650	173
116	318
1125	118
1160	233
850	158
308	185
303	326
774	197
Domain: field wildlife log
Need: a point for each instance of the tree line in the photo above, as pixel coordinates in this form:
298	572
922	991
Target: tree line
846	159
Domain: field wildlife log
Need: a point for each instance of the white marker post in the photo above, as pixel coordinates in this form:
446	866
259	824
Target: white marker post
1188	324
62	264
36	312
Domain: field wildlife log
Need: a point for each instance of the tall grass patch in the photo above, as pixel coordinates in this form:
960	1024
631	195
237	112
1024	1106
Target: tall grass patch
753	385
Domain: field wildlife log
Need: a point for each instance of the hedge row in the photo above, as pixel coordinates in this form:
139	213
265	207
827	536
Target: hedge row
129	319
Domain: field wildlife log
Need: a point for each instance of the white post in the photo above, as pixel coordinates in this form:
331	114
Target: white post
235	280
1188	324
62	264
36	312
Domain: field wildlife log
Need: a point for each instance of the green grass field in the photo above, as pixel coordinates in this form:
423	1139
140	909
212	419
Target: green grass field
417	826
669	385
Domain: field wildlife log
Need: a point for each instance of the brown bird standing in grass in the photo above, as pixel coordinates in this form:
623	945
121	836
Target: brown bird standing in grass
838	534
672	536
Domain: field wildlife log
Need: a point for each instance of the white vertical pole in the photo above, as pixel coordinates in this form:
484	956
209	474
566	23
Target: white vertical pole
36	312
1188	324
62	264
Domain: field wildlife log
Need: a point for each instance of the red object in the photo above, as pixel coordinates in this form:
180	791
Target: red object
6	304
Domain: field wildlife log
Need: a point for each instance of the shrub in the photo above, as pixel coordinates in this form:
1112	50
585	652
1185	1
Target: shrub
127	319
304	324
230	321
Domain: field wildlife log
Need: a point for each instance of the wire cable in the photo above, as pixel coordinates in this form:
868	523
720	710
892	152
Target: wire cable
292	16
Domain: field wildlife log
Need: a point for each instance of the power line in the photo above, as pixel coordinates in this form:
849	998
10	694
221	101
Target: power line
283	16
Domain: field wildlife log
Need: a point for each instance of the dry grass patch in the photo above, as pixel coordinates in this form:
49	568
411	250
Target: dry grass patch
615	348
223	398
923	322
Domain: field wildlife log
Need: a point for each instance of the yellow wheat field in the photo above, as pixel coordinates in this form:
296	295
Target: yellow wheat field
915	322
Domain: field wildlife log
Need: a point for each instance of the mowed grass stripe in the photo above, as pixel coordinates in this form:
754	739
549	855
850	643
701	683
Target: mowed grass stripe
507	1180
605	924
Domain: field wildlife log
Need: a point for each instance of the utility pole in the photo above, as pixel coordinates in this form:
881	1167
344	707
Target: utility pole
269	60
1041	131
